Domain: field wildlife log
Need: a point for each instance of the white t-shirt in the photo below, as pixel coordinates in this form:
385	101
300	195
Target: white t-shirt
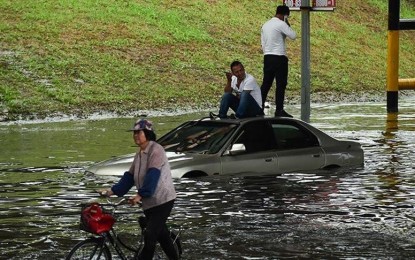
273	35
249	83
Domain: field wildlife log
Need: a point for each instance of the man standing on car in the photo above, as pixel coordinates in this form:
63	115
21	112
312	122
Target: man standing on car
150	173
273	35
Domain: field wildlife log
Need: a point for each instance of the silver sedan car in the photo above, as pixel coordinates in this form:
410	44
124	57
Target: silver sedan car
259	145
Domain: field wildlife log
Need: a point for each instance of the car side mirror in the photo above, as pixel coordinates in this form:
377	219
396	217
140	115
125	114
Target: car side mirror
237	149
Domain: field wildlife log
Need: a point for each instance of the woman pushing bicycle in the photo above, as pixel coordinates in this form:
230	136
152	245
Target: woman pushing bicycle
150	173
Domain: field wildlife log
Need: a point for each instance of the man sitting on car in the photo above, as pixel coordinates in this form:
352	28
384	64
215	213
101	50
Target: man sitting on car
242	94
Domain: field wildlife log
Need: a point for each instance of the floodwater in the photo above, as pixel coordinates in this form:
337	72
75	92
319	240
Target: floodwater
365	213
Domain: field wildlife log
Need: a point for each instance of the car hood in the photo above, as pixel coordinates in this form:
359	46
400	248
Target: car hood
120	164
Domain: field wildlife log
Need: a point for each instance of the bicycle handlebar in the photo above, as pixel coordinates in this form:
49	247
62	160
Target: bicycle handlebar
123	200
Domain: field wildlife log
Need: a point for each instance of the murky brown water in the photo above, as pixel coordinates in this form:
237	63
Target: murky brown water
364	213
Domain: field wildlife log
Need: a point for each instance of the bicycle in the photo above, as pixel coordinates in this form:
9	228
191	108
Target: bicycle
97	220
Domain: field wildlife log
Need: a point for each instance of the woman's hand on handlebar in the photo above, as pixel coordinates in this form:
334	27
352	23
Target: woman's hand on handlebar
134	200
105	192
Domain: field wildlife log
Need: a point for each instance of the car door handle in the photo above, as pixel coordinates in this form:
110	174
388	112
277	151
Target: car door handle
316	155
268	160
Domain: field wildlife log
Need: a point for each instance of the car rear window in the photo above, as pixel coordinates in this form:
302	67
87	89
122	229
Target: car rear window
293	137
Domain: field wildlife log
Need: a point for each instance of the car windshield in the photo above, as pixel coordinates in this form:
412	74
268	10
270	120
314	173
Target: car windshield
198	137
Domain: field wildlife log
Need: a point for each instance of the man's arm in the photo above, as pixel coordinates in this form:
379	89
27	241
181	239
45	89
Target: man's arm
289	32
228	88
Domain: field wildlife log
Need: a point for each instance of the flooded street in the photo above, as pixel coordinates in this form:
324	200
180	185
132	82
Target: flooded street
347	214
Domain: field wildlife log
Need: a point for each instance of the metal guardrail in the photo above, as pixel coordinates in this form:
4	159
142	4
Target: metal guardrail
406	24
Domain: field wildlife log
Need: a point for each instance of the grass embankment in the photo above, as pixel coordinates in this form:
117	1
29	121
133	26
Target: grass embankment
85	56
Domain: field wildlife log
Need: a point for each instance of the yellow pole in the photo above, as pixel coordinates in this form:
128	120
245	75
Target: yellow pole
392	76
393	61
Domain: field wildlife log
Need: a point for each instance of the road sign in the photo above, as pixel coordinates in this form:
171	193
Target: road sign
316	5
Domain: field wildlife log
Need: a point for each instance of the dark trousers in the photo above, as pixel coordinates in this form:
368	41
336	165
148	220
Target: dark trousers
244	106
275	67
157	231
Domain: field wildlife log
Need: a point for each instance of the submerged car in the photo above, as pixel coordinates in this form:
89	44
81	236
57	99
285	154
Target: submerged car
258	145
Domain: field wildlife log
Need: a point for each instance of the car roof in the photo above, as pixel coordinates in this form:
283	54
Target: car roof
249	119
283	120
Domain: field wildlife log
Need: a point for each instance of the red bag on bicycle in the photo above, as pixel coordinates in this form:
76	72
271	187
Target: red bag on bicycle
95	220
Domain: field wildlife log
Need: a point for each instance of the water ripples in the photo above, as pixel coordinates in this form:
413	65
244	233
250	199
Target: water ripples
347	214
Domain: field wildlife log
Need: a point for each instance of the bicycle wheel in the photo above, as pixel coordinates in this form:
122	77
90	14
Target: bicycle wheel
91	248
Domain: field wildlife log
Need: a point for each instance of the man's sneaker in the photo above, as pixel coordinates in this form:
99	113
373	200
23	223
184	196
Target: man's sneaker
282	113
213	115
232	116
266	105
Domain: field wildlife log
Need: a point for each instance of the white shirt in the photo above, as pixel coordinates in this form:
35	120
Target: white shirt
249	83
273	35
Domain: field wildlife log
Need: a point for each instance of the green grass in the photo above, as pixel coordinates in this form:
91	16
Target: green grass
86	56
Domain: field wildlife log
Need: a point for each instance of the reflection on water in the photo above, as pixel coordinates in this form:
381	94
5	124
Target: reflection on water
360	213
